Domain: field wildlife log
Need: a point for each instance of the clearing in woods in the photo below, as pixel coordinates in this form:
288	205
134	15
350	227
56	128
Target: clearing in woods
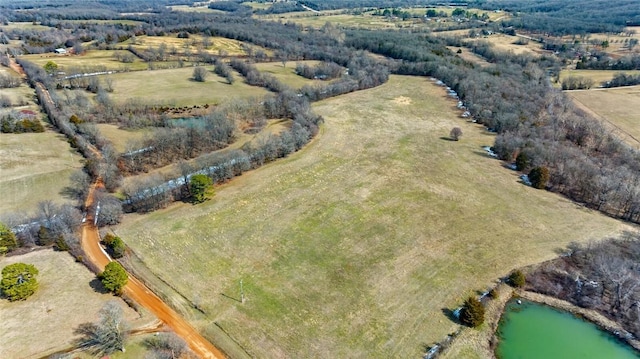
176	87
287	74
357	245
45	322
91	60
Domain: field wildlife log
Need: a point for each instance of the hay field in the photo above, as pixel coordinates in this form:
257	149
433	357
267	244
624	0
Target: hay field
176	87
89	59
45	322
619	106
287	75
34	167
355	246
194	44
119	137
598	76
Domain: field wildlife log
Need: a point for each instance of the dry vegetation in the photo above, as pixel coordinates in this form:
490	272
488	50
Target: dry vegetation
287	74
176	87
193	43
598	76
119	137
45	322
354	246
34	167
618	106
89	59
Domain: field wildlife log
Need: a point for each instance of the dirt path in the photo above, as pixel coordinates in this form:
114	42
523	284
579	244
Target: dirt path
16	67
142	295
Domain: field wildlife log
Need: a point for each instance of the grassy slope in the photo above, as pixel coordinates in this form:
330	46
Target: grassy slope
176	87
354	246
287	75
90	58
598	76
34	167
45	322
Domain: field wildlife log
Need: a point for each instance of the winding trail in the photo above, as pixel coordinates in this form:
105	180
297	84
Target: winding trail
140	293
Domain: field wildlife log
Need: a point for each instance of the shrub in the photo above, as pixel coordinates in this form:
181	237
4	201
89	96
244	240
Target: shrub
455	133
472	313
200	74
115	245
7	238
493	293
522	161
516	279
19	281
539	176
114	277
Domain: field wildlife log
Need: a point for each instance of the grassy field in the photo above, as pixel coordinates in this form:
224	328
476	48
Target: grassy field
618	106
34	167
355	246
45	322
467	55
175	87
193	44
119	137
287	75
598	76
25	26
90	58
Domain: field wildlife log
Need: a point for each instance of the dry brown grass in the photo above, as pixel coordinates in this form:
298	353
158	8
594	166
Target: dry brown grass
45	322
119	137
34	167
618	106
598	76
354	246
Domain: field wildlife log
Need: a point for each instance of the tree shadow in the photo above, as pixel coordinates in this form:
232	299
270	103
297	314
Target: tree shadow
450	315
97	286
445	138
232	298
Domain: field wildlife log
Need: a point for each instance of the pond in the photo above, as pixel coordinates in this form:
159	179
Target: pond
531	330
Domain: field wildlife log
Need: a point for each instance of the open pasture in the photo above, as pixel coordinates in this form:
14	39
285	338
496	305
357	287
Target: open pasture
34	167
618	106
193	44
287	75
175	87
45	322
91	59
119	137
357	245
598	76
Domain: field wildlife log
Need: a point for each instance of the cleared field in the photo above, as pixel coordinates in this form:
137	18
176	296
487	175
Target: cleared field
618	106
106	22
346	20
287	75
34	167
45	322
355	246
189	8
90	59
467	55
501	42
194	44
598	76
119	137
25	26
177	88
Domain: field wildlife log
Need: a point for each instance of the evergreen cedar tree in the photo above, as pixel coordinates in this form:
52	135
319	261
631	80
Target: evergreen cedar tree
472	313
517	279
8	240
115	245
114	277
539	176
19	281
198	186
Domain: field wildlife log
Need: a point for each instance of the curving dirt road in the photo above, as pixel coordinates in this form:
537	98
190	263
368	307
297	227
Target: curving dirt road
142	295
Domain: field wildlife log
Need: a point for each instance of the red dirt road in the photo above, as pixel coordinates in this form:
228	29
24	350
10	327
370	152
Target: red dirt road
143	295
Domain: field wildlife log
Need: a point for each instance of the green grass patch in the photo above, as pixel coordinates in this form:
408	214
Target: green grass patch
176	87
354	246
287	74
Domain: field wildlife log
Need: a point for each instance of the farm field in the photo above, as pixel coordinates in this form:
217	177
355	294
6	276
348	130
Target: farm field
45	322
91	59
467	55
598	76
287	75
229	46
34	167
119	137
176	87
619	106
357	245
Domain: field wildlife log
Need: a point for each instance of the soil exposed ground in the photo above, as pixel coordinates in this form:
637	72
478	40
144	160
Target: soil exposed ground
358	245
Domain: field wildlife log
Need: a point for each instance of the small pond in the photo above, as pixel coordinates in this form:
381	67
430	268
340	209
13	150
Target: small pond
531	330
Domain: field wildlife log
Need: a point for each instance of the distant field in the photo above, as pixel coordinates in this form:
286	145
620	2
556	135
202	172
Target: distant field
106	22
287	75
34	167
354	246
617	105
25	26
188	8
45	322
501	42
90	58
598	76
194	43
467	55
175	87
